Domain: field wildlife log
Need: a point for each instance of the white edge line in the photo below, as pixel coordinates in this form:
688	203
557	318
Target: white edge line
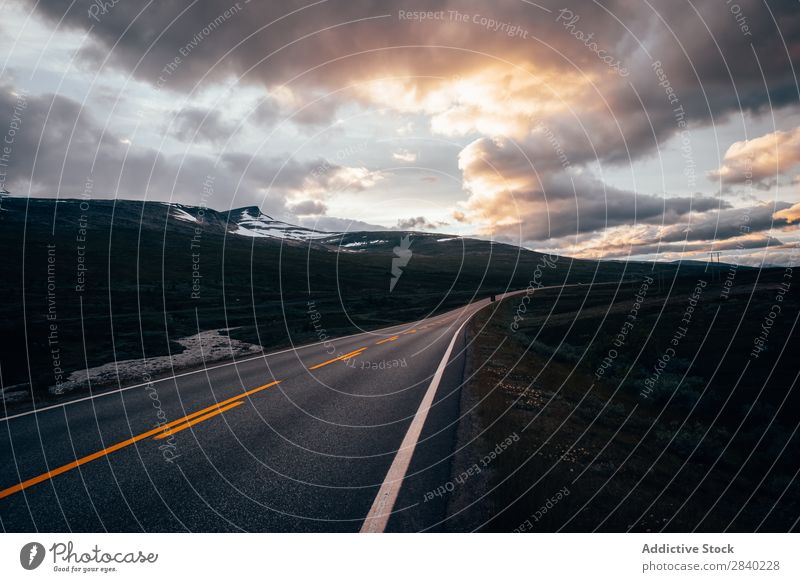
381	510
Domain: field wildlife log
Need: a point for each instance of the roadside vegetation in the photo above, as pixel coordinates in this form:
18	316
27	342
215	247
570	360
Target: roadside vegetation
679	423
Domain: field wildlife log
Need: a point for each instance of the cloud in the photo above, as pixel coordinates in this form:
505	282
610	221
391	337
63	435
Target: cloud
334	224
418	222
616	247
355	179
524	192
433	66
789	215
316	178
727	229
303	108
726	223
405	129
195	124
537	112
405	156
762	159
59	146
308	208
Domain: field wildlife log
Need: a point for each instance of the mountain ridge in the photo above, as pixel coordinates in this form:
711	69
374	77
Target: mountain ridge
103	281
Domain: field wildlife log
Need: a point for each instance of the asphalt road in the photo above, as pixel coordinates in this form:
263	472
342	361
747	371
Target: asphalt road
229	449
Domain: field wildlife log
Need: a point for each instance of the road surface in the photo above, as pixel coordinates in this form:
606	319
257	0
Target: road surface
345	436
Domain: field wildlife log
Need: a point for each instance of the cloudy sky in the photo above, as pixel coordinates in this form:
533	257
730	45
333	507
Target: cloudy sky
613	129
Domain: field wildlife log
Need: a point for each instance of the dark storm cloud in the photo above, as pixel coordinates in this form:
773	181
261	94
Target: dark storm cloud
680	65
536	201
726	229
728	223
194	124
591	206
570	206
705	52
59	148
756	242
266	113
312	114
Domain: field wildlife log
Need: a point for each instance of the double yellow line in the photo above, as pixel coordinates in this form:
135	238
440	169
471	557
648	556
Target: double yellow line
359	351
161	432
343	358
175	426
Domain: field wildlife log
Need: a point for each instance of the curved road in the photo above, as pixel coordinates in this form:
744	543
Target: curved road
343	436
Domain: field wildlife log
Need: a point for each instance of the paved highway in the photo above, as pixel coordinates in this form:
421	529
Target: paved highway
347	436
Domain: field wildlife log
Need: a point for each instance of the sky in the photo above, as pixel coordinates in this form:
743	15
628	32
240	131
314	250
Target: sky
615	129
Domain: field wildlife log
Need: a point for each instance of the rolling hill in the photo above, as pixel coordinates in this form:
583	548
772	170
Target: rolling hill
92	282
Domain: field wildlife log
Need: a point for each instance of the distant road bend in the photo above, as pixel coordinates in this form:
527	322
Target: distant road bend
314	438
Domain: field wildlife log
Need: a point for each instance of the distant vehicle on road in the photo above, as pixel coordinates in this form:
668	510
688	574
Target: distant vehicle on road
493	298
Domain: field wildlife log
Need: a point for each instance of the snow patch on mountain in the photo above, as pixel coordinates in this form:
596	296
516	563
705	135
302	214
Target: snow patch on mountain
181	214
253	223
363	243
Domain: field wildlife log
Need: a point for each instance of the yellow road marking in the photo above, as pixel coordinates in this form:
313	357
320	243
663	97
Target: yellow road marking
388	339
186	425
409	331
343	357
121	445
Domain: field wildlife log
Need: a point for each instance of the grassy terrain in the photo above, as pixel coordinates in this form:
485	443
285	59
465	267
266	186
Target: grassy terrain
705	440
101	281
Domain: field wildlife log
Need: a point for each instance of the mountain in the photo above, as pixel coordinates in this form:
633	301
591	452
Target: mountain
248	221
88	282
